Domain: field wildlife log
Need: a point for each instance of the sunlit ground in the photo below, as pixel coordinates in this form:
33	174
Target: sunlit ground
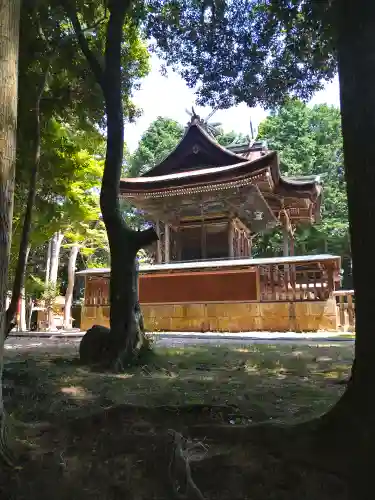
264	381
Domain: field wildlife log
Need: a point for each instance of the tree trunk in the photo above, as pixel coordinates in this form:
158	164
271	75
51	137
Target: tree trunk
55	256
353	416
19	279
22	325
24	249
53	271
126	335
69	291
30	307
48	261
9	40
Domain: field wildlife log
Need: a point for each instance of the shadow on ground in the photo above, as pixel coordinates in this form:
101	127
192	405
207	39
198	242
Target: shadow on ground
109	436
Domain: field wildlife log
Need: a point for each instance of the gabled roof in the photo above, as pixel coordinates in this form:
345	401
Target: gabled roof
202	177
196	150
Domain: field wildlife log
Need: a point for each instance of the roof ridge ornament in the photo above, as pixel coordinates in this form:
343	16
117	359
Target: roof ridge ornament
196	119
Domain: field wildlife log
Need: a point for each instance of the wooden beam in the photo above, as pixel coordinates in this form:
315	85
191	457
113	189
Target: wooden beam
167	244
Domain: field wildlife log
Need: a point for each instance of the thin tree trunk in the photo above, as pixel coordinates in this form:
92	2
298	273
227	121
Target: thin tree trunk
69	291
19	277
48	261
22	325
30	308
9	41
55	256
54	268
126	335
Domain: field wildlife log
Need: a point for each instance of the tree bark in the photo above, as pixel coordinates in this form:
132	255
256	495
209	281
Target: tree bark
48	261
126	335
55	256
69	291
9	41
353	415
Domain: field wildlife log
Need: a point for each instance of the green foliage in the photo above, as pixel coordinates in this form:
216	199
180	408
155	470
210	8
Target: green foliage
156	143
309	141
46	292
252	51
71	115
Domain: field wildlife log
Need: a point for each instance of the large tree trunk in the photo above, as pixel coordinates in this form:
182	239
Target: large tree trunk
124	243
354	416
69	290
9	40
126	335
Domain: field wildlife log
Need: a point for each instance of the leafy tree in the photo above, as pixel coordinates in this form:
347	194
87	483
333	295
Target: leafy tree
126	337
246	51
56	90
157	142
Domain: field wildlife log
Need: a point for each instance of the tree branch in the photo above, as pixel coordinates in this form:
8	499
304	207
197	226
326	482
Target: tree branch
82	41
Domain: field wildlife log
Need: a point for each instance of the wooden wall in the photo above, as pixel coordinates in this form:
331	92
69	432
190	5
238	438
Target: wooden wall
213	286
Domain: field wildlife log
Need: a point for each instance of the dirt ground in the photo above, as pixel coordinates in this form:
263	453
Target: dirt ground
191	412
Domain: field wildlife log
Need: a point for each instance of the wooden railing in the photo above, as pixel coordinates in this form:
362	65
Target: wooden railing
295	282
345	308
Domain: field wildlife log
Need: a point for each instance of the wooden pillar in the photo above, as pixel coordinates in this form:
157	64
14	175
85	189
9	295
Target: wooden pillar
250	254
285	242
291	242
203	241
178	244
230	240
167	243
158	248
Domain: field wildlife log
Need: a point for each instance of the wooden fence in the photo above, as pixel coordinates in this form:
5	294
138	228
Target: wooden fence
345	309
296	282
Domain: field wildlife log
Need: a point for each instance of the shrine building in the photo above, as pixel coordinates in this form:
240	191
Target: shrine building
207	203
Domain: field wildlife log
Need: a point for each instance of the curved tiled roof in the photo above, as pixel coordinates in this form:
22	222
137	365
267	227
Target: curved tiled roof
266	165
195	150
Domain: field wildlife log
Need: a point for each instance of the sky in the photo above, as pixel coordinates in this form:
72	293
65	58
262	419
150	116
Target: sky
169	96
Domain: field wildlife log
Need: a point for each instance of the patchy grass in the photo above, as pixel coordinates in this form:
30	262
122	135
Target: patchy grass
110	431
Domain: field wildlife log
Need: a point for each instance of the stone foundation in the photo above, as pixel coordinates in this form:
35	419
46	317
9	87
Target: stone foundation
229	317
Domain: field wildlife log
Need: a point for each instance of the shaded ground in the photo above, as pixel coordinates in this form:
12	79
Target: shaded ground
111	434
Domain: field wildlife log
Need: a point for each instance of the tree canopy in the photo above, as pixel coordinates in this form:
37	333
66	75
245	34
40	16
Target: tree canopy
256	52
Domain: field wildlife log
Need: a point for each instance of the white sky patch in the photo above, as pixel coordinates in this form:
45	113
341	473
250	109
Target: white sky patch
169	96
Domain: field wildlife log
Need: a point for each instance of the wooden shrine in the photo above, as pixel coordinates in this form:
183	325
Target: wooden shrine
207	203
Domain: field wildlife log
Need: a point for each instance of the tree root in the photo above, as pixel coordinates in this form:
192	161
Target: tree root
179	465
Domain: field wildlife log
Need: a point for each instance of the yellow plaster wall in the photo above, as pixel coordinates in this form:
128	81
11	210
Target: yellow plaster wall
94	315
229	317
